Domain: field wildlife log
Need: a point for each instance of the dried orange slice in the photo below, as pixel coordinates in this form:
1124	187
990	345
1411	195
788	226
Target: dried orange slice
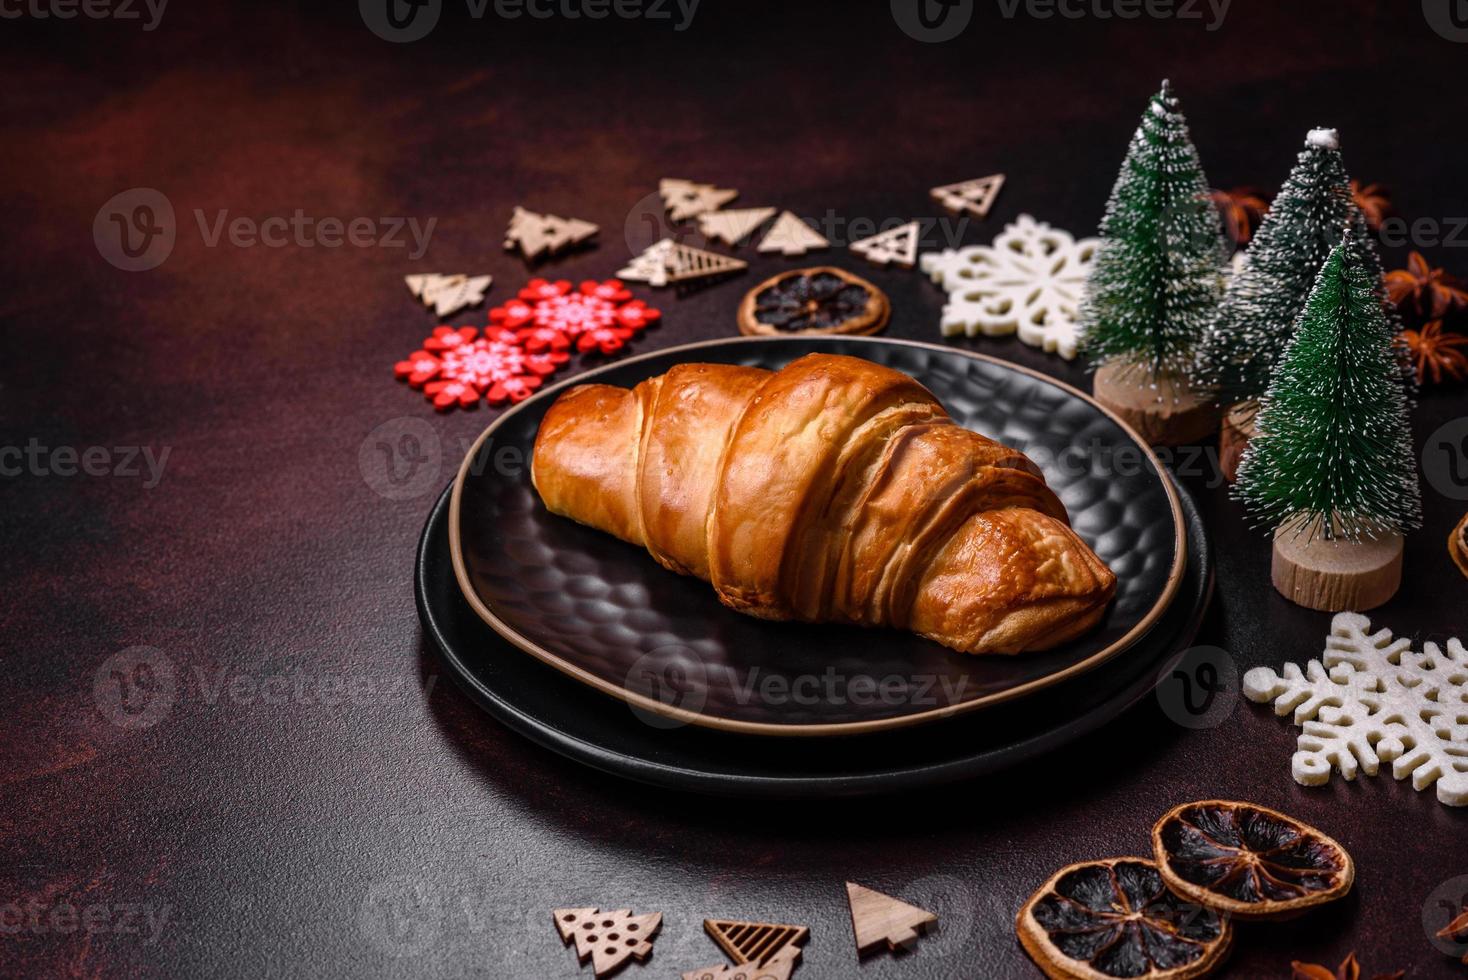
822	300
1458	545
1247	860
1116	918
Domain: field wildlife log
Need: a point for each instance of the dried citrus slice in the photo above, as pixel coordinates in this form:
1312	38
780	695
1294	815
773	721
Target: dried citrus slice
1248	860
1116	918
822	300
1458	545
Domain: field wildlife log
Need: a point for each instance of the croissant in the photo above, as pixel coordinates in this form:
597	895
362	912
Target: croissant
833	490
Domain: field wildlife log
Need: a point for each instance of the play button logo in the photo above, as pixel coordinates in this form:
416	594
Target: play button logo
932	21
400	21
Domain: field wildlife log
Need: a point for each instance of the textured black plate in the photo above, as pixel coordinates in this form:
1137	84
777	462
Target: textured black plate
547	707
607	614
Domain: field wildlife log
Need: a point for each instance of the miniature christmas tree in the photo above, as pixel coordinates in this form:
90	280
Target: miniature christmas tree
1156	283
1334	441
1257	315
608	939
1363	243
1158	274
1331	468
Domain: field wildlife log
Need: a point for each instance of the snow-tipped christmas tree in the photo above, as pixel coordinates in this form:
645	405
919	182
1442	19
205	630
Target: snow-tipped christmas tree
1158	275
1257	315
1363	243
1333	453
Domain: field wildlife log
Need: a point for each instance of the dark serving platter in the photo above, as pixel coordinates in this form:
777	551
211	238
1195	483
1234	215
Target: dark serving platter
604	613
570	718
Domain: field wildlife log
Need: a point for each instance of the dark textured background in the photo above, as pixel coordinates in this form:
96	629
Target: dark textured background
406	833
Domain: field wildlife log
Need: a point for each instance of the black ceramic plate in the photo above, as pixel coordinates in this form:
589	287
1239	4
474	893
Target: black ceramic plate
605	613
542	704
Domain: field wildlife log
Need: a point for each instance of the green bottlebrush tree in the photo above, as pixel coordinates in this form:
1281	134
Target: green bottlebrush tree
1363	243
1333	442
1257	315
1158	275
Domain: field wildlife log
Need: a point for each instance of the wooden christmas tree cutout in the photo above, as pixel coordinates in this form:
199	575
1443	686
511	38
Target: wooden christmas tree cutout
447	295
778	967
974	196
539	235
686	263
754	942
733	227
791	236
685	199
878	919
896	247
608	939
650	265
668	262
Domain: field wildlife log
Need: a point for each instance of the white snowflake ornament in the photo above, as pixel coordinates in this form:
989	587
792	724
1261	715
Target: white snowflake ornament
1372	699
1028	281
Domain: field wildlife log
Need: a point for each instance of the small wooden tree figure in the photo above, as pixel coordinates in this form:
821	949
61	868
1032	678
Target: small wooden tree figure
608	939
1331	469
754	942
881	920
1157	281
539	235
686	199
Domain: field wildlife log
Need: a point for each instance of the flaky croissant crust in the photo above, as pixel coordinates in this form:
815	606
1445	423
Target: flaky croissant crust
833	490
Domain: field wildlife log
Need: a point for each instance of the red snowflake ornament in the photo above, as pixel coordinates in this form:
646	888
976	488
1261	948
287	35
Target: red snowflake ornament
527	339
448	338
456	367
552	316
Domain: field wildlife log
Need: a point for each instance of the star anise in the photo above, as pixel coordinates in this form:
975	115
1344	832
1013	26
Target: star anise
1437	354
1432	292
1457	930
1374	201
1240	209
1348	970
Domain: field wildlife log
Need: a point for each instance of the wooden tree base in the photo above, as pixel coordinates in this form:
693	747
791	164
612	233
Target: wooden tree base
1233	438
1165	410
1337	575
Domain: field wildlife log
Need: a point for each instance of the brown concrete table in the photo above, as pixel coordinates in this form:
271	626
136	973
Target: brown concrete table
316	798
